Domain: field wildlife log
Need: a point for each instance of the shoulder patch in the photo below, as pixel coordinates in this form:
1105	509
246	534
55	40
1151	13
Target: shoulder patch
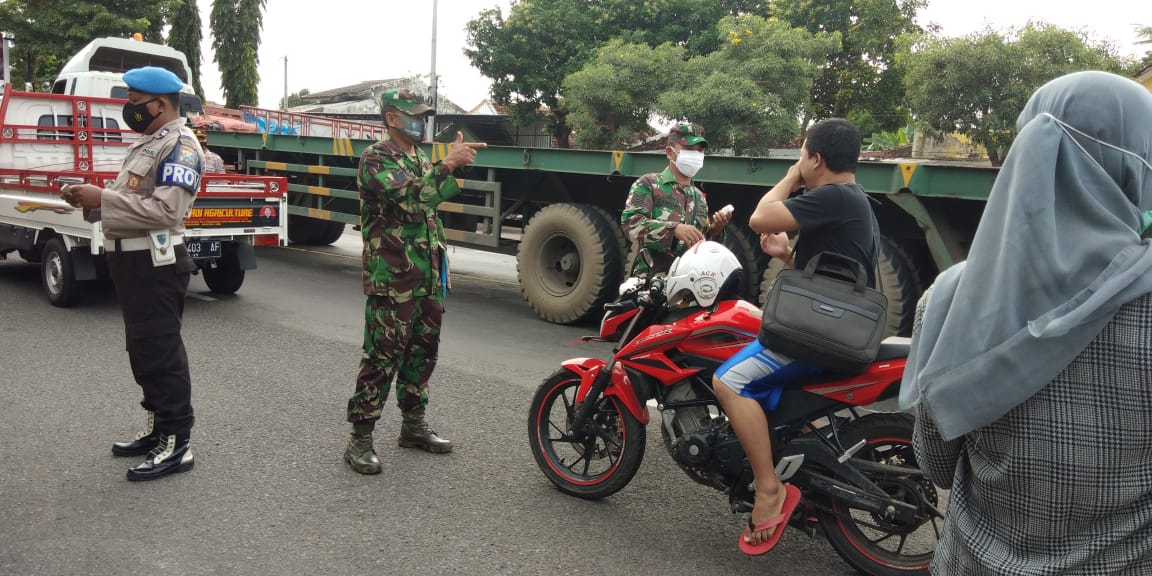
183	166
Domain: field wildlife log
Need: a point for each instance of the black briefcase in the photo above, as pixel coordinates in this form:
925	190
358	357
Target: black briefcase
825	315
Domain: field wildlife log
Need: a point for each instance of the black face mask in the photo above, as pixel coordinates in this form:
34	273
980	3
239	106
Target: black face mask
137	116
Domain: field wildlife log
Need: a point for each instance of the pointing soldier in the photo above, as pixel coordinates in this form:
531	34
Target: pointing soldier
666	213
143	215
404	275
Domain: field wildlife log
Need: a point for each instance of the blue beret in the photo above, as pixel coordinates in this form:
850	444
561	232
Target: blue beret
153	80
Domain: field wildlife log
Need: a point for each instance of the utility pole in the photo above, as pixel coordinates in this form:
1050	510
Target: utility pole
284	102
4	39
432	125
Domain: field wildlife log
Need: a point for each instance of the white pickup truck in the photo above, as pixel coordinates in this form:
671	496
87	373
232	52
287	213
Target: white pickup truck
76	134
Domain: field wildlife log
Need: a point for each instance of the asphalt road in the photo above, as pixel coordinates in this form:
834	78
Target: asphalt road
272	369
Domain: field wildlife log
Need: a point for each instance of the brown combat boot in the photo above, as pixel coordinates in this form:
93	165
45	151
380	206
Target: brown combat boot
415	433
360	454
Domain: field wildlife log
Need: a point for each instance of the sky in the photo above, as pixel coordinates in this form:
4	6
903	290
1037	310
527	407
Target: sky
338	43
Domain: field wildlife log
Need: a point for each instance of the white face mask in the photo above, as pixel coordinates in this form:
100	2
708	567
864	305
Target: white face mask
1068	129
688	162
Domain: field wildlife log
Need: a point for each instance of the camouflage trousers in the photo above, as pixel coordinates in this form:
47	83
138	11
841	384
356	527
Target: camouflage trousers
401	340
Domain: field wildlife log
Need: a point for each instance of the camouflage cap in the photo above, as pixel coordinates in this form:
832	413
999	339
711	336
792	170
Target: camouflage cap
687	135
405	101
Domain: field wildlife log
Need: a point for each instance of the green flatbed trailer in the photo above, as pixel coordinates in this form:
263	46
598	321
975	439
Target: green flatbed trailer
558	212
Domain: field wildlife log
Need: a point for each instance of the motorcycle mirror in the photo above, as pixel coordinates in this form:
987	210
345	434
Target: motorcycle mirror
647	257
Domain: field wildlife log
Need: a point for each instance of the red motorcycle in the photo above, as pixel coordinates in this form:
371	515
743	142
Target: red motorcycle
856	469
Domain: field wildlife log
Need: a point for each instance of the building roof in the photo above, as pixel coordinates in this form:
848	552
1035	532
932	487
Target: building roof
1145	74
370	90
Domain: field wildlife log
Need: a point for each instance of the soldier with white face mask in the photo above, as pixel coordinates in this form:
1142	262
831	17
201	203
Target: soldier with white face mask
666	212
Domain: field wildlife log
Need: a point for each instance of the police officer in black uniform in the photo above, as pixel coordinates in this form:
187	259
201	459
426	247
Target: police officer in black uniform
143	215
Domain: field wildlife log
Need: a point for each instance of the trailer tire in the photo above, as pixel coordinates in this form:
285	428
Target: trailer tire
752	259
898	279
621	240
568	263
312	232
895	275
227	276
58	274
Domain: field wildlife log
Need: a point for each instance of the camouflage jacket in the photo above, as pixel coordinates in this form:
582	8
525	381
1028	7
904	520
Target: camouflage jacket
656	204
403	237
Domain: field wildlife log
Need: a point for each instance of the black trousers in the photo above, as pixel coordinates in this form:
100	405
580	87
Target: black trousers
152	300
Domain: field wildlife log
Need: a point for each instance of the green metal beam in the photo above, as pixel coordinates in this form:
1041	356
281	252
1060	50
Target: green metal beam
926	179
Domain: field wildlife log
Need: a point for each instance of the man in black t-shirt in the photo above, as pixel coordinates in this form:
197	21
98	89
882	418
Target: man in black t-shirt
833	216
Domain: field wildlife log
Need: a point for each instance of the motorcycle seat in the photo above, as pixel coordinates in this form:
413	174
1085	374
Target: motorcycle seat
894	348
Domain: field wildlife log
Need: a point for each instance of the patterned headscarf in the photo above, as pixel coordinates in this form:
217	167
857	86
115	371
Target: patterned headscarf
1056	254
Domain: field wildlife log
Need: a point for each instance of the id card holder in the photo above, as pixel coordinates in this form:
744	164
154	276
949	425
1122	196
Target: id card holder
160	246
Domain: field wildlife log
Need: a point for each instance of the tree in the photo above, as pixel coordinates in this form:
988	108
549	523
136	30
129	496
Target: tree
689	24
750	94
185	36
541	42
293	99
608	107
236	26
976	85
862	80
1145	35
49	32
529	54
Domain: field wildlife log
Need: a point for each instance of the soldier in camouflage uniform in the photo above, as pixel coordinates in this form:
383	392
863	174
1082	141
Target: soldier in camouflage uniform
404	275
666	213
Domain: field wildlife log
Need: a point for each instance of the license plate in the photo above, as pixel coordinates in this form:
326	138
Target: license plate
201	249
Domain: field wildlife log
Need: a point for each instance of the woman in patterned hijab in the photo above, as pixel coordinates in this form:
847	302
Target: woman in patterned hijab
1031	364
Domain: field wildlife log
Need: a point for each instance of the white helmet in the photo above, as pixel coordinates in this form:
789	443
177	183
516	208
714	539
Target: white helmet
705	273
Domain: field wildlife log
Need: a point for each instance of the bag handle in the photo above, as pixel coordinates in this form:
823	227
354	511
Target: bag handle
838	263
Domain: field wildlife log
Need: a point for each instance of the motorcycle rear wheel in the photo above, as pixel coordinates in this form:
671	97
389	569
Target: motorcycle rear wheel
871	544
592	469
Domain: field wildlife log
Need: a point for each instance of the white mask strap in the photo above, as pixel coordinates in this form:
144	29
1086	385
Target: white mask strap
1066	127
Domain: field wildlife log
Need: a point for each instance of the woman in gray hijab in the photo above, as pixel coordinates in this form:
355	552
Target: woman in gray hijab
1031	363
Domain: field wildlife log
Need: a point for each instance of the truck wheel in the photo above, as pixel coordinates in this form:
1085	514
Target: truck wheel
58	274
331	232
621	240
227	276
568	263
312	232
896	277
747	250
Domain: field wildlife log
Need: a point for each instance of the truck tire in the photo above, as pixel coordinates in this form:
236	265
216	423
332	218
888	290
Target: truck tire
568	263
746	247
227	276
896	277
312	232
329	233
59	274
621	239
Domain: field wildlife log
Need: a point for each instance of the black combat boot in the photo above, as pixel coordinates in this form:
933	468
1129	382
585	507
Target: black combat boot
360	454
143	443
172	455
415	433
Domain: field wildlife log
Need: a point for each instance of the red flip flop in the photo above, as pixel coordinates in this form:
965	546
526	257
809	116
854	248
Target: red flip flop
791	501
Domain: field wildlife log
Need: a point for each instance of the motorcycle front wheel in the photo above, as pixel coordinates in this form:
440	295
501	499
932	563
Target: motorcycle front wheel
872	544
591	468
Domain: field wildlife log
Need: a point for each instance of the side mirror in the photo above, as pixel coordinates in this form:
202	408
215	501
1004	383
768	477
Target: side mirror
646	256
